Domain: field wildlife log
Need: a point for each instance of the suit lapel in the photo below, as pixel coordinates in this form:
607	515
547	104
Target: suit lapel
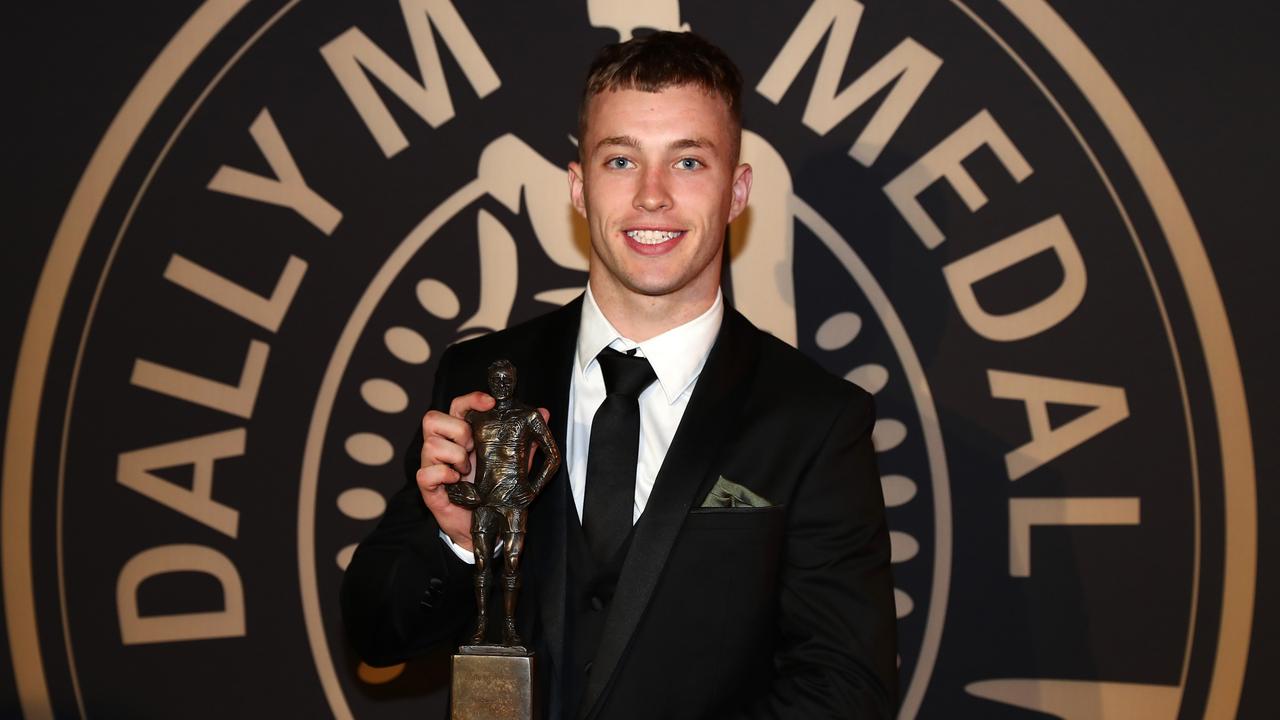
685	477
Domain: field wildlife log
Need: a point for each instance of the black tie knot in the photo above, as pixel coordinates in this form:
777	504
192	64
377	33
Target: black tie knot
626	375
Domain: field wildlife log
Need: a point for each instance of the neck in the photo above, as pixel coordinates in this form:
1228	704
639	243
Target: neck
502	403
640	317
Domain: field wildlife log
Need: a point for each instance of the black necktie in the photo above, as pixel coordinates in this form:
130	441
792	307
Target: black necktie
612	453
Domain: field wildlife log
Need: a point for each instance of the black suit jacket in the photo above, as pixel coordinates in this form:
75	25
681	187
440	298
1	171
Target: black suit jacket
776	612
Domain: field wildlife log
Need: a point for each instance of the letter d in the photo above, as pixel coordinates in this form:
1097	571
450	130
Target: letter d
963	274
136	629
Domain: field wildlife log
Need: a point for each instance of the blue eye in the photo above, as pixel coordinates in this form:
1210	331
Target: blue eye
688	164
618	163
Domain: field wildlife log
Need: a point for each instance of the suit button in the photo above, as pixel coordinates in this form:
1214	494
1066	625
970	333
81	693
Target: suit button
596	603
434	590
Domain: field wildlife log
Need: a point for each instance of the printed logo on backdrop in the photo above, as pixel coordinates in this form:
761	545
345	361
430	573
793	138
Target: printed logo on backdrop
943	214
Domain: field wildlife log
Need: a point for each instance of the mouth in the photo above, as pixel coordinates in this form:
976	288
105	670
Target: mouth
653	237
653	241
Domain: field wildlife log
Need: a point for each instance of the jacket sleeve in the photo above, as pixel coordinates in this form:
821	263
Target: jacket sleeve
837	654
404	590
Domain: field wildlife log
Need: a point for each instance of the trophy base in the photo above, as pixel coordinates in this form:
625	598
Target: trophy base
492	682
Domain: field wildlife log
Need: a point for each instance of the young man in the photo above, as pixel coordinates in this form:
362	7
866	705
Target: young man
728	557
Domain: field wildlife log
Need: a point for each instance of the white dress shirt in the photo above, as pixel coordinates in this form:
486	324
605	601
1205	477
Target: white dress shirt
677	357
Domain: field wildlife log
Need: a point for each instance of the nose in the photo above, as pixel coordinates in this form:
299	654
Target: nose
653	194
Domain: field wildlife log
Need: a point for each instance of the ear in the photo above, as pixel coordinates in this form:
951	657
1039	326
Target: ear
576	188
741	190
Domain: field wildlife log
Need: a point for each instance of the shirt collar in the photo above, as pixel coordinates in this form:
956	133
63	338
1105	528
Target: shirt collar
677	355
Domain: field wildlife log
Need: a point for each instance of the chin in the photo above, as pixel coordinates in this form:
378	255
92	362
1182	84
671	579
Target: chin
655	287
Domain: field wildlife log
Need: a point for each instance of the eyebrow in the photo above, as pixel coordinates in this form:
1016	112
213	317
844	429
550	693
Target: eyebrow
628	141
619	141
698	142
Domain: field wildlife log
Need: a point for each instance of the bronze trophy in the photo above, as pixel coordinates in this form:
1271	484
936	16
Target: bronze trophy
494	680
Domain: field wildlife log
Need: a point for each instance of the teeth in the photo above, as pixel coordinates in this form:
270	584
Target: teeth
651	237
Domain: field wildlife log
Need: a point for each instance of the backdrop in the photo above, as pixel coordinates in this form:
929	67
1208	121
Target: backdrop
1039	233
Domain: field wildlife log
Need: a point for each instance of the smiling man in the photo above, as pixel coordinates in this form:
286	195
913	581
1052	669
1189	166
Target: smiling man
714	544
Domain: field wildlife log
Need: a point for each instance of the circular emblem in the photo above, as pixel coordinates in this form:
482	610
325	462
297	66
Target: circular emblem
301	205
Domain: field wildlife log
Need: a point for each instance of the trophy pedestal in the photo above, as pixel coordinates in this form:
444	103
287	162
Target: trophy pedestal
492	682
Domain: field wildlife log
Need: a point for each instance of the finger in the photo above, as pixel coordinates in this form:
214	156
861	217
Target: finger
533	450
436	423
546	416
471	401
437	450
431	478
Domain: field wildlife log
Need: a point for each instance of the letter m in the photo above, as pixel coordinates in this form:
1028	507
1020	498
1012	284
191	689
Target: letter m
352	57
908	67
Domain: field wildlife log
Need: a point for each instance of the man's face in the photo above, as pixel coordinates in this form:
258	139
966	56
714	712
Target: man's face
658	183
501	383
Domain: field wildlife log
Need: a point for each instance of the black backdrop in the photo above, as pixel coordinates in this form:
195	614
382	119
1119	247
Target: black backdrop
1200	78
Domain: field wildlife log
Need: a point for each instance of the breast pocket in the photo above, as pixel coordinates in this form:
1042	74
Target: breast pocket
729	562
764	519
743	544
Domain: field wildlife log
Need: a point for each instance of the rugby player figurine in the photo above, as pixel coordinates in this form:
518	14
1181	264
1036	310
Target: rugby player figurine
500	496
